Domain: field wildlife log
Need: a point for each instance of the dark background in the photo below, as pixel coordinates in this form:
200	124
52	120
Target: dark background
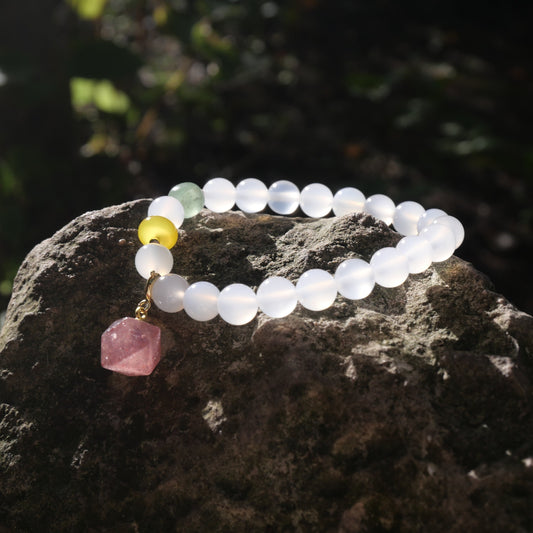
105	101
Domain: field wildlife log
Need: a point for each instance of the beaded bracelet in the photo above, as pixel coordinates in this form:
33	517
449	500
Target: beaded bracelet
132	346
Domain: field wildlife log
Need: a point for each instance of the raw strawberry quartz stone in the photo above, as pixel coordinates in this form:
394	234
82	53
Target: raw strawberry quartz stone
131	347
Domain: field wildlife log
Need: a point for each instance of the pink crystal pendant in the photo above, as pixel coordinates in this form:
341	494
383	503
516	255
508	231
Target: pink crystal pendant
131	347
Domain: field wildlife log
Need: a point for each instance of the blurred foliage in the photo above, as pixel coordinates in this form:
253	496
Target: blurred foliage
106	100
99	93
88	9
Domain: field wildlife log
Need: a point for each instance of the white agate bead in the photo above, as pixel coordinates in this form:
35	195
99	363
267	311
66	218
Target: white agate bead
219	194
251	195
316	289
380	207
455	225
200	301
428	217
390	267
283	197
237	304
406	217
168	207
276	297
153	258
348	200
316	200
168	292
354	278
418	252
442	241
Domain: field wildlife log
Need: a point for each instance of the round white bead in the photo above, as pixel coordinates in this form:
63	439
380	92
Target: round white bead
316	200
200	301
168	292
251	195
153	258
406	217
316	289
348	200
354	278
237	304
219	195
455	225
442	241
283	197
418	252
276	297
390	267
380	207
428	217
168	207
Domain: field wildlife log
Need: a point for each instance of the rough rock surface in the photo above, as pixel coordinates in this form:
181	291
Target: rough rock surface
409	411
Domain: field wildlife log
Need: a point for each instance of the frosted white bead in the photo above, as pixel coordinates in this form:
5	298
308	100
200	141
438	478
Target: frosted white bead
251	195
168	292
442	241
153	258
406	217
276	297
348	200
237	304
428	217
381	207
283	197
354	278
316	200
316	289
455	225
168	207
219	195
418	252
200	301
390	267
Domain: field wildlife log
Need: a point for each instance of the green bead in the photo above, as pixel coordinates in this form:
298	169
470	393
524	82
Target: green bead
190	196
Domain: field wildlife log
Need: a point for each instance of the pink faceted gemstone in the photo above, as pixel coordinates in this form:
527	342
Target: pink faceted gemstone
131	347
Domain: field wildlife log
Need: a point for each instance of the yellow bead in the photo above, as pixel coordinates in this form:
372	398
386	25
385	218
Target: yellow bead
159	229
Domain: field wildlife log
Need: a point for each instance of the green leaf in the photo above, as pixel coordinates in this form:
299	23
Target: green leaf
88	9
100	93
6	286
81	91
109	99
208	42
9	183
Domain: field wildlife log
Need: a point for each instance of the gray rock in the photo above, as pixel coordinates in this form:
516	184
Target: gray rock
409	411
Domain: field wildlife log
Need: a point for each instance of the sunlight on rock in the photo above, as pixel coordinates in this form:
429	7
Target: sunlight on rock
213	414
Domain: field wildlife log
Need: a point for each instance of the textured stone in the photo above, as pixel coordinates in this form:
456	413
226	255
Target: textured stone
131	347
407	411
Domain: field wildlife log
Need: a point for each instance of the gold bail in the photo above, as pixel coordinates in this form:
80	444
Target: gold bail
141	312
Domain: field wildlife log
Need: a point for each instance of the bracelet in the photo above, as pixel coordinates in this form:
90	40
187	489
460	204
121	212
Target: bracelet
132	347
